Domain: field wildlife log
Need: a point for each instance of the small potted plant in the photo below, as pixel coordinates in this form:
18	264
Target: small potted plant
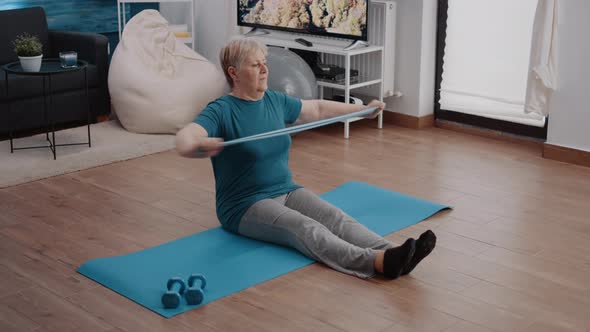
30	52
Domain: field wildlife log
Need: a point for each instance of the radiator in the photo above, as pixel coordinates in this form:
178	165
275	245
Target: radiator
381	31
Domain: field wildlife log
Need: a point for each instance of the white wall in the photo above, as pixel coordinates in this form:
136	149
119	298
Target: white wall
415	57
407	64
569	110
214	24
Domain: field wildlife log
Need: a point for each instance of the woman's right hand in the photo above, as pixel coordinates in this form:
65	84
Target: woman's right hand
209	147
192	141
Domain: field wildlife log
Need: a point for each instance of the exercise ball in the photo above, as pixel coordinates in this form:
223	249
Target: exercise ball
290	74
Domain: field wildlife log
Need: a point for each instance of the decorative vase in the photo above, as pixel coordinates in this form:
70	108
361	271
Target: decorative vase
31	63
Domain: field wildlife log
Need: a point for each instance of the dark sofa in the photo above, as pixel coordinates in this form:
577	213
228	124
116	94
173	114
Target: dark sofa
26	92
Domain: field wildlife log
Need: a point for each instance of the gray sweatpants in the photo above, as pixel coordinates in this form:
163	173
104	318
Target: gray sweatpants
321	231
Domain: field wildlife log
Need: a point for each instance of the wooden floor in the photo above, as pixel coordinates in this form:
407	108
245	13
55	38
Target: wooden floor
513	255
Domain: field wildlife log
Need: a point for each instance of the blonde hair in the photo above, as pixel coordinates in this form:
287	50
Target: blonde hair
235	52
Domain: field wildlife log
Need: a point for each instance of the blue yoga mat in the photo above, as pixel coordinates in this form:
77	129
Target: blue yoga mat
232	263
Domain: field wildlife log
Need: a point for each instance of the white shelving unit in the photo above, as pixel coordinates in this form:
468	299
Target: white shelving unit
122	19
327	46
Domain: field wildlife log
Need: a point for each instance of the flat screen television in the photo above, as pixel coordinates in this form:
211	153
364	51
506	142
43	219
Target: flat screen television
336	18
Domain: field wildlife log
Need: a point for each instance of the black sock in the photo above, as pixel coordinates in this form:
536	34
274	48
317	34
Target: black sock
424	246
396	258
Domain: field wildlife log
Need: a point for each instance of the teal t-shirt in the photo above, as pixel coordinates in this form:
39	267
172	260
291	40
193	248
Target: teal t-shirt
248	172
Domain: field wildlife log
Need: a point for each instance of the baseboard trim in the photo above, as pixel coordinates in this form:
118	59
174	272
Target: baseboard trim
487	133
408	121
568	155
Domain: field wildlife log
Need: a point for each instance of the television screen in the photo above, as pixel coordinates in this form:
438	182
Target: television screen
337	18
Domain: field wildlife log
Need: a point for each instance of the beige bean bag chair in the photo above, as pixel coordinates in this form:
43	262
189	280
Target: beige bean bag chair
158	84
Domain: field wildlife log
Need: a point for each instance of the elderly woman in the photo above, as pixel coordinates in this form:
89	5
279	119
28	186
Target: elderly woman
255	195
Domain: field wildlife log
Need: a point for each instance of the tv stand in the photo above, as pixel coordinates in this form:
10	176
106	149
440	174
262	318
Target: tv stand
256	32
355	44
304	42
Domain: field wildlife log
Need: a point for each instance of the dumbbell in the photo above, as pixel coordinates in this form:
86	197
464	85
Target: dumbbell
171	299
194	295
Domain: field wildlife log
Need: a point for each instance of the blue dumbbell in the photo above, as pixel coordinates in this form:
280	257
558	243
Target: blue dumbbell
171	299
194	295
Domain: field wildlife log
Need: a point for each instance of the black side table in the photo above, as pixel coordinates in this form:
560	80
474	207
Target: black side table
49	68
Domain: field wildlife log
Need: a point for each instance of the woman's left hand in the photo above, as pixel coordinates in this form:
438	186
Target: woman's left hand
380	107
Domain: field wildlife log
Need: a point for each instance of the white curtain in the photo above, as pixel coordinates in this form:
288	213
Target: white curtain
542	76
486	61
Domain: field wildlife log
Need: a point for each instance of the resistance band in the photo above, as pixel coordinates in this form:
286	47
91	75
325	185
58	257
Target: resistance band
299	128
